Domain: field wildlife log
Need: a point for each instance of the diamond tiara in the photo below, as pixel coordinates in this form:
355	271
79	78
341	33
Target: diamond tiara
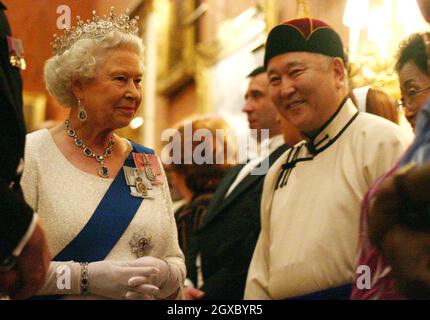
95	28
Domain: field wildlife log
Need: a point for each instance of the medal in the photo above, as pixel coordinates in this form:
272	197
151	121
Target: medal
149	171
148	163
150	174
139	184
16	53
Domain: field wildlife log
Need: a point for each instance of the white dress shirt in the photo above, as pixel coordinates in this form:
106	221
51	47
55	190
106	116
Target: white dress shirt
269	144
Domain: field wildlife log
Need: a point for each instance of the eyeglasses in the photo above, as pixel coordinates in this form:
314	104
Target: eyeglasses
405	102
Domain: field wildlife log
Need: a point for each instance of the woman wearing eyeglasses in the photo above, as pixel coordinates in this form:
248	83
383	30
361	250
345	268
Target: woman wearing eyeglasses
414	78
394	248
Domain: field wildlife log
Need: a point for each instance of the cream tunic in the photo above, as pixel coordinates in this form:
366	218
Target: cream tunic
310	222
65	199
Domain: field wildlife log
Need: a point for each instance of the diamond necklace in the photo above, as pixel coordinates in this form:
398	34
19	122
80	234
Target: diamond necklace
103	171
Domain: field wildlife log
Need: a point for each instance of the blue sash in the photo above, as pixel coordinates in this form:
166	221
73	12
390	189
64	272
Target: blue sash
337	293
108	223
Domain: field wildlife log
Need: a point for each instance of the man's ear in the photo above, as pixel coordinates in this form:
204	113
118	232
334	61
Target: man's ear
339	72
77	87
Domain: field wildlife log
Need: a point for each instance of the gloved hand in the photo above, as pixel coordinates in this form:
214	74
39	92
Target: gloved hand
166	279
105	278
111	279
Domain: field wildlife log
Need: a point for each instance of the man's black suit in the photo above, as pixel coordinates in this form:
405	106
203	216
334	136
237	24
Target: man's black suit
15	214
229	233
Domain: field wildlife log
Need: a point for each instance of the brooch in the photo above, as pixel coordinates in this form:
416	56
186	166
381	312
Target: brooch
140	245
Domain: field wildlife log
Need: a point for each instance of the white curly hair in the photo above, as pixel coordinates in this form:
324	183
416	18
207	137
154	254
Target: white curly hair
80	61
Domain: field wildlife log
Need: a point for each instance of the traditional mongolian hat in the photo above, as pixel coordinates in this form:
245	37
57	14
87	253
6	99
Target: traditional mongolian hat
305	34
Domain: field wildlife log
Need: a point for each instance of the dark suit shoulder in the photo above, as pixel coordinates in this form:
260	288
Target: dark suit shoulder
15	218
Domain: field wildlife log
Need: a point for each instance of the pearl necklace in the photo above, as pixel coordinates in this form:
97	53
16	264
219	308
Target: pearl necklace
103	171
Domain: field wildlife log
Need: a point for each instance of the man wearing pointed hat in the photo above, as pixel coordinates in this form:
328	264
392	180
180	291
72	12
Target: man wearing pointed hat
311	196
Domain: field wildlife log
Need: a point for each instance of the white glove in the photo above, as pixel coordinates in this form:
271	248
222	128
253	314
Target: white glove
166	280
110	279
105	278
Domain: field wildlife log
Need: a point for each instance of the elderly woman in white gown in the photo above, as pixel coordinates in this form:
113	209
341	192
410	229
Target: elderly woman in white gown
103	200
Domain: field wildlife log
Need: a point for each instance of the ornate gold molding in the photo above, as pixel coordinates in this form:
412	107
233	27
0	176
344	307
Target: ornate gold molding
271	13
175	68
204	92
208	55
34	109
371	70
233	37
196	61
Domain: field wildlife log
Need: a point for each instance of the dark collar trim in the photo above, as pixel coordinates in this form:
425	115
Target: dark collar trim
313	148
292	156
325	125
315	152
293	159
